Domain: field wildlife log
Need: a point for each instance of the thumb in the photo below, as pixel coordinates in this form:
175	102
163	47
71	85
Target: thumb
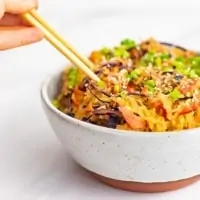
19	6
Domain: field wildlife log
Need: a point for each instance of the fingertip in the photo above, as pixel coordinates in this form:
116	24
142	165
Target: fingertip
19	6
37	34
2	9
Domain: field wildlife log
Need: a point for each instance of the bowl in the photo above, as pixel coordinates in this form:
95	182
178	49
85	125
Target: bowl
129	160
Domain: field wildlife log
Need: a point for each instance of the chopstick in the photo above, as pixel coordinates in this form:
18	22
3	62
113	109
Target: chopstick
60	44
69	46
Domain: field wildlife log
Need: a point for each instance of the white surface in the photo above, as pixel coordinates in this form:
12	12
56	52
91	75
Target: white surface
33	164
139	157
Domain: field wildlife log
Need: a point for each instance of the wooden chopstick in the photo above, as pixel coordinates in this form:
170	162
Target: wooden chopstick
60	44
69	46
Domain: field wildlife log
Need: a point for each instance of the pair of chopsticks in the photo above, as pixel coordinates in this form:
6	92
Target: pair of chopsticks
60	44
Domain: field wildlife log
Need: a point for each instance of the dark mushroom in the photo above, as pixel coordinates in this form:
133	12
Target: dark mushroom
137	93
106	112
113	121
93	93
178	77
100	90
86	119
113	117
185	98
82	86
136	54
173	45
98	72
70	114
66	101
168	72
112	64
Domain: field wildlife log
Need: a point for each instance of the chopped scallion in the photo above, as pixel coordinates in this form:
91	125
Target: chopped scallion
72	77
121	52
55	103
179	64
180	59
158	61
116	88
105	50
135	74
150	83
175	95
148	58
128	44
123	94
101	84
165	56
193	74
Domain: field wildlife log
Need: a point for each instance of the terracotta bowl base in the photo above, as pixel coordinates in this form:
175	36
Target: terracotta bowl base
146	187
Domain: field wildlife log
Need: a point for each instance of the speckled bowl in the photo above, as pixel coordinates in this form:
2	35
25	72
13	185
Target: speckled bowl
136	161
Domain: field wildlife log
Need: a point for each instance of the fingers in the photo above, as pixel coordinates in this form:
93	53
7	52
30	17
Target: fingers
19	37
12	20
19	6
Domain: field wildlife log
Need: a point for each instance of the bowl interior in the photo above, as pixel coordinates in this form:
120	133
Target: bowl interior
50	89
53	85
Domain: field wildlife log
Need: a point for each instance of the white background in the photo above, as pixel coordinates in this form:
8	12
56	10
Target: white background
33	165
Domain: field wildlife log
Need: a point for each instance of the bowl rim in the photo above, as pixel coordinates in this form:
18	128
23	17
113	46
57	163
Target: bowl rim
126	133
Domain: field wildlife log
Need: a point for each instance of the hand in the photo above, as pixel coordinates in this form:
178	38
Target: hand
14	32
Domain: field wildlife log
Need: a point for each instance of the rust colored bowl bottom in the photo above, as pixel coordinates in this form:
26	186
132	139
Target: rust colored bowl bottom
147	187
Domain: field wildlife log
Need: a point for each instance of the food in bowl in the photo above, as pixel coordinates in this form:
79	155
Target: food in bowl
136	162
149	86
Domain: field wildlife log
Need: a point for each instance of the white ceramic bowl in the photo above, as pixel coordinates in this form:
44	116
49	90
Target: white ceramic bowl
131	157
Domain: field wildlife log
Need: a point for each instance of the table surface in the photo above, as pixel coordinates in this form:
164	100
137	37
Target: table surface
33	164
